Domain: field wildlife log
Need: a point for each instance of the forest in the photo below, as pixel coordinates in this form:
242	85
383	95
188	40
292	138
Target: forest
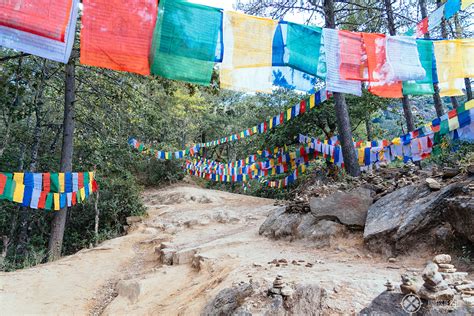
46	104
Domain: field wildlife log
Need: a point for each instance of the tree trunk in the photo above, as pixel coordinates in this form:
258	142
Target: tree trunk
96	220
342	114
405	100
368	128
467	81
438	102
58	224
203	140
408	113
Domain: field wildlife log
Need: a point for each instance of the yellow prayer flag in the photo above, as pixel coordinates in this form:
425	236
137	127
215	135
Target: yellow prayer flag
453	123
311	101
469	105
288	114
360	153
468	57
451	66
18	177
61	182
247	63
19	192
83	194
56	198
466	3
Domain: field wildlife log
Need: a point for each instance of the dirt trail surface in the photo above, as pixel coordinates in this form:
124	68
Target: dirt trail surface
215	243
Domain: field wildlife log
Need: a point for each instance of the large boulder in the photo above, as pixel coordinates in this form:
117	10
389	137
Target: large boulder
414	215
348	208
228	300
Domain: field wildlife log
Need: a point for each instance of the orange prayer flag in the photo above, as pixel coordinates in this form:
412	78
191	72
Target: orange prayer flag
41	17
117	34
376	58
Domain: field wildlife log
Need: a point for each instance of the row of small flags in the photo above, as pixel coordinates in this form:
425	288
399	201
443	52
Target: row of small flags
47	190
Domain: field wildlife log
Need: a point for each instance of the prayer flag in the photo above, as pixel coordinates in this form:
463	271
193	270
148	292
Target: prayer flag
247	63
117	34
49	201
332	53
42	28
466	3
54	182
185	41
450	66
35	198
424	86
353	57
44	18
3	181
376	58
61	181
56	200
403	60
435	18
451	8
422	27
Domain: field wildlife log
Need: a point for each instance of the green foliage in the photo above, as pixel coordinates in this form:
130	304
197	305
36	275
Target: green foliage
452	154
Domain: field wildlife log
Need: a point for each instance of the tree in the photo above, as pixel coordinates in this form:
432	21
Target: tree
58	224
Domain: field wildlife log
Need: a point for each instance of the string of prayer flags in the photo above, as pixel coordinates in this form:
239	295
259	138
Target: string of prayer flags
334	82
422	27
41	28
375	45
425	85
185	41
450	66
117	34
34	190
403	60
435	18
247	62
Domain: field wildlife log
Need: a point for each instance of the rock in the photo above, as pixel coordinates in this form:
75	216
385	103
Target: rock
452	278
387	303
450	172
410	215
389	286
129	289
407	289
470	169
166	256
184	256
324	232
286	291
463	287
446	295
280	224
348	208
134	219
442	259
228	300
433	184
469	300
447	270
445	266
392	260
307	299
431	276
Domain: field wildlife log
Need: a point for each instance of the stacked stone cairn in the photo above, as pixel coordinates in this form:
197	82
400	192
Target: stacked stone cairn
456	280
435	288
280	288
407	286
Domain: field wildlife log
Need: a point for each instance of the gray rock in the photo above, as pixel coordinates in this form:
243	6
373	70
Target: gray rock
280	224
452	278
433	184
348	208
324	232
307	299
387	303
228	300
442	259
446	295
129	289
409	216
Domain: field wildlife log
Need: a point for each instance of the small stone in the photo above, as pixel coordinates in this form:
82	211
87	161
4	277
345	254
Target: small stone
282	261
447	270
286	291
392	260
257	265
445	266
463	287
456	277
407	289
440	287
468	292
295	262
442	259
433	184
446	295
309	265
389	286
469	300
275	291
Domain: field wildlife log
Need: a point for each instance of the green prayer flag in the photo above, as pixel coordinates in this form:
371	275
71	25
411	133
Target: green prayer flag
303	44
185	41
49	201
444	127
86	179
461	109
424	86
9	188
54	182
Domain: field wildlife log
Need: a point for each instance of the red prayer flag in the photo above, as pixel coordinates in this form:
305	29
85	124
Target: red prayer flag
80	180
353	57
422	27
3	181
302	106
452	113
46	182
376	58
42	199
74	198
45	18
117	34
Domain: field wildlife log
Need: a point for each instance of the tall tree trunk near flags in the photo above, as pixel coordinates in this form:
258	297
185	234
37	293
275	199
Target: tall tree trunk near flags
438	102
342	114
58	224
467	81
405	100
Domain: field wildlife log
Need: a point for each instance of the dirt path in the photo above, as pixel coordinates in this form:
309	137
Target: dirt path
124	276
